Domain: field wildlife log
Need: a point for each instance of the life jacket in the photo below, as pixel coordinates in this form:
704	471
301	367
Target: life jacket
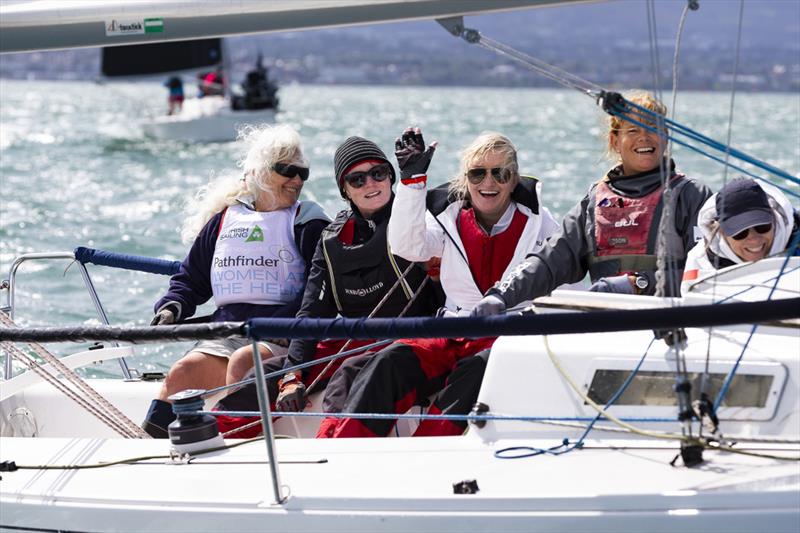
626	230
360	275
488	256
256	259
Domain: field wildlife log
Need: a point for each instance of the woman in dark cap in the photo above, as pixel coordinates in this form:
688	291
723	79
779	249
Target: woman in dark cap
351	272
746	221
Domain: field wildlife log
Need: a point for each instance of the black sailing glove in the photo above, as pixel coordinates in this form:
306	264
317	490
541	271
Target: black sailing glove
413	157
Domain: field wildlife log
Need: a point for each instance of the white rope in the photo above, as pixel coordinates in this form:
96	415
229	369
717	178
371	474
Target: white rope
32	364
129	427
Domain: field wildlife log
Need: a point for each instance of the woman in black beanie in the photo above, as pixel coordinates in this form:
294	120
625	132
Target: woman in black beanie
351	272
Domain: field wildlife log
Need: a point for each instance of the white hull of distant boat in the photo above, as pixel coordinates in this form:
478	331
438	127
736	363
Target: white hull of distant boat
208	119
618	481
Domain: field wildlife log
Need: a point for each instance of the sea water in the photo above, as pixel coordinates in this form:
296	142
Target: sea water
76	170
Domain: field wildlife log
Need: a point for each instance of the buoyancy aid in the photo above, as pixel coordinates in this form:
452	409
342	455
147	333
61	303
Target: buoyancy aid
360	275
488	256
626	230
256	259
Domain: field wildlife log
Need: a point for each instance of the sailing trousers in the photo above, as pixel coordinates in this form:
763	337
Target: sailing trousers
337	379
395	378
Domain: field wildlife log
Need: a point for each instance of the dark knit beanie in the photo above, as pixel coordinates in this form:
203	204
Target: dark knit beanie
351	152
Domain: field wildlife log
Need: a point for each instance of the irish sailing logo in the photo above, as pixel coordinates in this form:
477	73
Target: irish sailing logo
257	235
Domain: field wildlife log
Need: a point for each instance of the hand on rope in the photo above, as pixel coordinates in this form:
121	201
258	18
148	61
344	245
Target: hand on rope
413	157
616	284
291	394
489	305
165	316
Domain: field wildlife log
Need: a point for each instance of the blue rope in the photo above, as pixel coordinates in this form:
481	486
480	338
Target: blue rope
672	138
126	261
531	451
685	130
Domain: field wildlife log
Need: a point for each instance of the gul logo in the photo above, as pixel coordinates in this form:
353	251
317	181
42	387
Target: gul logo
625	223
256	235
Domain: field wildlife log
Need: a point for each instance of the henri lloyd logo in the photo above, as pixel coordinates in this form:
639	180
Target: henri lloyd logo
362	291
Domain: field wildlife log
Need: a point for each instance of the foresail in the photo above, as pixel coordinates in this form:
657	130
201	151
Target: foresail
28	25
160	58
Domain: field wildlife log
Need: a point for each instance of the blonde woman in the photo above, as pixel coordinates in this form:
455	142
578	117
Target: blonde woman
613	232
253	242
481	224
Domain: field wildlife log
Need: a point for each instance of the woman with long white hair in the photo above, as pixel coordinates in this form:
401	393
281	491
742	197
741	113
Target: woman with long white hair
253	242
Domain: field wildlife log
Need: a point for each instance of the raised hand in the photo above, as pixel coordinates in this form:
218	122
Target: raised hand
413	157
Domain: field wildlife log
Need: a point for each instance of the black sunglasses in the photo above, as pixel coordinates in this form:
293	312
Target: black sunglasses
290	171
477	175
761	228
378	173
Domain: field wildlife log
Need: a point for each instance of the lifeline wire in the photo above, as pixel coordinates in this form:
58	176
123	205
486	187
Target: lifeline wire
646	433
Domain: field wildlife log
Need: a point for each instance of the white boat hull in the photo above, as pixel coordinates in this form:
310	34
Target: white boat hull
395	485
208	119
618	481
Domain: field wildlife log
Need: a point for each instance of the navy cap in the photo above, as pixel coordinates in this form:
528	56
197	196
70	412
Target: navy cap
742	204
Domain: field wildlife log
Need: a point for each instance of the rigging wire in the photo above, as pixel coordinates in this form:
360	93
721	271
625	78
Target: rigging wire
666	267
532	451
705	384
643	112
676	57
599	94
704	443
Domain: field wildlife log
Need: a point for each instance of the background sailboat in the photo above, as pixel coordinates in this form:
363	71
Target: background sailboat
217	112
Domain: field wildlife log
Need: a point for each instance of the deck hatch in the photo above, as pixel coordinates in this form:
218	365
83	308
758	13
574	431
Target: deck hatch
754	394
656	388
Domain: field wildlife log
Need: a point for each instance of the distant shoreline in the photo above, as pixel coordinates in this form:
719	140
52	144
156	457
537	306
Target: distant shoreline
740	89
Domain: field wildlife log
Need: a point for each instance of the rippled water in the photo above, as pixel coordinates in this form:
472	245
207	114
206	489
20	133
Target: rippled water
75	168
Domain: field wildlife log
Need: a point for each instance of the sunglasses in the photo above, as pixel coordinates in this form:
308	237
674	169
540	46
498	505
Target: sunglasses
378	173
477	175
290	171
762	229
